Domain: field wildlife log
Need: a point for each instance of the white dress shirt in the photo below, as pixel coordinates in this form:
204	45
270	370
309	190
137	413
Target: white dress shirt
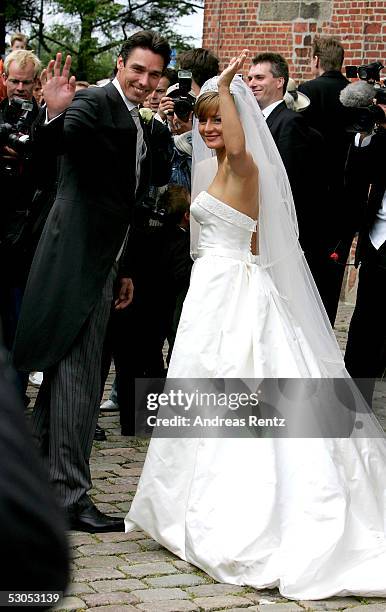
377	232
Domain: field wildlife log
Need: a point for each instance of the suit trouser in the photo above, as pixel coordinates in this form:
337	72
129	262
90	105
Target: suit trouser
365	356
328	275
67	406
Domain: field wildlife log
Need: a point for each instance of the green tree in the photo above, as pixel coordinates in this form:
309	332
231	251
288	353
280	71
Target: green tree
93	30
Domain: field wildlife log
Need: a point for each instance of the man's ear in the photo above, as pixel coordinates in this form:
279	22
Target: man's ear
280	84
4	78
120	64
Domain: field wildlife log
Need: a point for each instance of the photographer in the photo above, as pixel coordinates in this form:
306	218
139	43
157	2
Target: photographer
365	175
180	124
18	112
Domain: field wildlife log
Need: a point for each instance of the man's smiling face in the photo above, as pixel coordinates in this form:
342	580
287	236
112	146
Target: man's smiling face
140	75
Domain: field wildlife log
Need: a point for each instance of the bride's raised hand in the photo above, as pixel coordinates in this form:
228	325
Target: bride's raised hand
235	66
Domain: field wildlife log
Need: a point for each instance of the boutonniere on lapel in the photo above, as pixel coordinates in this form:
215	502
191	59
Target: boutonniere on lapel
146	115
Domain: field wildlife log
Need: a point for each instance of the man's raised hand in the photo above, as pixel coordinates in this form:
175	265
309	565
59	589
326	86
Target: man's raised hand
58	86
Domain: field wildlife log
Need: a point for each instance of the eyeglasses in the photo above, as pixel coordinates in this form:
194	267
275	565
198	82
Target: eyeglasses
17	81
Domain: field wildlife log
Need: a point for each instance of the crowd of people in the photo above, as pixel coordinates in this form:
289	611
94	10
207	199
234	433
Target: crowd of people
97	182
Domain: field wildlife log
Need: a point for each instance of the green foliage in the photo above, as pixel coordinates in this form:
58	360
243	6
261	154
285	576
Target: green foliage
93	30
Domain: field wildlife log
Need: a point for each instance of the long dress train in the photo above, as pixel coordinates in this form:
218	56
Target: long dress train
305	515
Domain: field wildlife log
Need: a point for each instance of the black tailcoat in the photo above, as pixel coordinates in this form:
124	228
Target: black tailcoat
86	226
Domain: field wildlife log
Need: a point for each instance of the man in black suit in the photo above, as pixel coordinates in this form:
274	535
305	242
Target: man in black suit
366	345
105	169
328	115
301	149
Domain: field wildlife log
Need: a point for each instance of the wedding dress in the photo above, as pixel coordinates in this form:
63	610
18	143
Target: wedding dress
305	515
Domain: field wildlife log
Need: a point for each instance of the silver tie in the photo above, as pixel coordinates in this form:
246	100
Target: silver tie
141	145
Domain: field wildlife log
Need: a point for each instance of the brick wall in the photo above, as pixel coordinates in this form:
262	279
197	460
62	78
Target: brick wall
288	27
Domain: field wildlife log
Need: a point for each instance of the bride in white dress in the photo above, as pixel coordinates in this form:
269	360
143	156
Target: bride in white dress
306	515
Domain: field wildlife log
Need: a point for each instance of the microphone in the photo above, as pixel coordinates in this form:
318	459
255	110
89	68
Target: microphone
363	114
357	95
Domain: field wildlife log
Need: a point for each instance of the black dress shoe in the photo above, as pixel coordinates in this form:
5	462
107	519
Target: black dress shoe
100	434
92	520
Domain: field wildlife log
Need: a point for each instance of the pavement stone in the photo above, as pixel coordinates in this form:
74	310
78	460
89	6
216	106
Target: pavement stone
160	594
124	584
184	566
150	545
96	573
109	548
335	603
266	597
150	556
127	608
70	603
290	606
175	580
98	561
148	569
206	604
375	607
77	588
107	599
77	538
178	605
216	589
121	537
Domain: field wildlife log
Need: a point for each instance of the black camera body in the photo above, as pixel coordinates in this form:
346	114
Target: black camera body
367	72
183	101
16	134
358	97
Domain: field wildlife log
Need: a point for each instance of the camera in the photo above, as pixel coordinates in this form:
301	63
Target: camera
358	98
16	134
184	101
148	212
367	72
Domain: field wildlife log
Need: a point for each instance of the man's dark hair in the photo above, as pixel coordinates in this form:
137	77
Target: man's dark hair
279	65
330	53
201	62
147	39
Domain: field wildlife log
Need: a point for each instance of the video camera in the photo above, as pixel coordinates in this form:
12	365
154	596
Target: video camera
358	97
16	134
368	72
183	100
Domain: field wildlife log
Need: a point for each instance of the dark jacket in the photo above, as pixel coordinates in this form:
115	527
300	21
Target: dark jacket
328	115
300	149
366	184
86	226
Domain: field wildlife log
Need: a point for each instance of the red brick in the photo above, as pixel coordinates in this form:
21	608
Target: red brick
373	28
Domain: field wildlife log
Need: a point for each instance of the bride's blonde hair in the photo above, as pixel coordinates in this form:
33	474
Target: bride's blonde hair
207	105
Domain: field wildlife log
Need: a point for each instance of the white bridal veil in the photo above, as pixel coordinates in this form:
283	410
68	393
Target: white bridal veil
279	249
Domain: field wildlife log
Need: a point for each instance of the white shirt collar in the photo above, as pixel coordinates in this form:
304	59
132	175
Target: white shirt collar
268	109
130	105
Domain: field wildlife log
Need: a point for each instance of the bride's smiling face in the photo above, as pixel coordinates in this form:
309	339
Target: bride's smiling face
210	129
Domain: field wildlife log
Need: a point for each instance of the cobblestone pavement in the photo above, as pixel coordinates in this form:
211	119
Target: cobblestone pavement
117	572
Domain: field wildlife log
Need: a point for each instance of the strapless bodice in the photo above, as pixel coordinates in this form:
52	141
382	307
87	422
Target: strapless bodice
221	226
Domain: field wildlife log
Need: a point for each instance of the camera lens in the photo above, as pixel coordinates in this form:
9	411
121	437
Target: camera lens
182	109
